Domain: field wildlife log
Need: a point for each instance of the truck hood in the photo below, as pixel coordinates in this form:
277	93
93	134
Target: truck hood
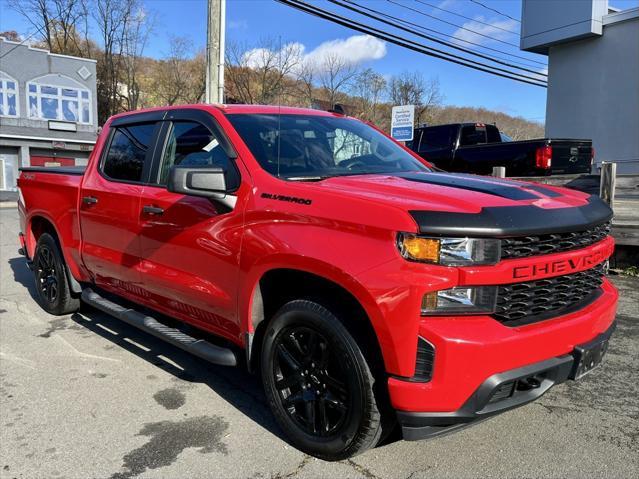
461	204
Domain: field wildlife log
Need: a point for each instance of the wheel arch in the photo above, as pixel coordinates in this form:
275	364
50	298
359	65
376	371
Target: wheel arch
335	290
38	224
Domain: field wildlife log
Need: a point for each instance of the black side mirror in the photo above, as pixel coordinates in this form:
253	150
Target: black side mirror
209	182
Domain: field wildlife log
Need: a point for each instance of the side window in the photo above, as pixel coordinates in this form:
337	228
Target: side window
192	144
472	135
127	152
436	138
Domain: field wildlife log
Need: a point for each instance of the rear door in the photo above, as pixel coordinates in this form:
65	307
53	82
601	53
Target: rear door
110	203
190	246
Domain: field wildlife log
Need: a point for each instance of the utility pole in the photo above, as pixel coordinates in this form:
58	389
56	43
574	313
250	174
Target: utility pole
216	27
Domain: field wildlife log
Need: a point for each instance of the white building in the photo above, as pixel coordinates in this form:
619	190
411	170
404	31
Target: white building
593	73
48	109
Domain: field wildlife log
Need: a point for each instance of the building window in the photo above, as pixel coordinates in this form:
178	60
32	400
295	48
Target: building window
8	96
58	102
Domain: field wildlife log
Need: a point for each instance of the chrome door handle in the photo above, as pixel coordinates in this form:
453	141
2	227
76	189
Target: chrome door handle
89	200
152	210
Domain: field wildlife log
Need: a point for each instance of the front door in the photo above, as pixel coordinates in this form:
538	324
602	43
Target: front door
110	207
190	246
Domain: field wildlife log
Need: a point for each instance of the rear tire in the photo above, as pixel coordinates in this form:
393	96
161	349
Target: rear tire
318	383
52	285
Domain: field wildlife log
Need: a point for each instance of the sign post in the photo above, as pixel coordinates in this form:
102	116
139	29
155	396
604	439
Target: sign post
402	121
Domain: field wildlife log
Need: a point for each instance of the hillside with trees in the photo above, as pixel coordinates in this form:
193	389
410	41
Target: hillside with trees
116	34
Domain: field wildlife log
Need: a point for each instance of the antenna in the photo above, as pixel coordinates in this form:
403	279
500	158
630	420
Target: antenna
279	107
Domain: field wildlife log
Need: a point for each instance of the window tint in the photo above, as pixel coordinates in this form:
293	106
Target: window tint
311	146
436	138
472	135
127	151
192	144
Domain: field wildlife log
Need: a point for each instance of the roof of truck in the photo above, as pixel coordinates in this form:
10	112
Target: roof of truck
238	109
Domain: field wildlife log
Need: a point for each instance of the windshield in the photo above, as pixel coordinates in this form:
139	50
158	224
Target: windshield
311	147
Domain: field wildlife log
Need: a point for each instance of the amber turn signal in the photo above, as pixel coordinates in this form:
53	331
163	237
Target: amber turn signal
421	249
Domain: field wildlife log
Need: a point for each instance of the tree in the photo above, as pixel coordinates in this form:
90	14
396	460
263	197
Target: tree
62	24
171	75
114	19
11	35
411	89
305	84
335	77
368	88
260	75
135	39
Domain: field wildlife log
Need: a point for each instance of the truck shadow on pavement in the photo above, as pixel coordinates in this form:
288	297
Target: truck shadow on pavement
23	275
234	384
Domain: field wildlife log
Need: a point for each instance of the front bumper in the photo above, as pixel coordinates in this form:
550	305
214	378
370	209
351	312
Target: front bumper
499	393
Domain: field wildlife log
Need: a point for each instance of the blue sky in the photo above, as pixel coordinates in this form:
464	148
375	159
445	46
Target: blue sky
250	21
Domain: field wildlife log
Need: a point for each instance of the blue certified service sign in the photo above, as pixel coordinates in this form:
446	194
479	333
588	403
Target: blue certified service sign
402	121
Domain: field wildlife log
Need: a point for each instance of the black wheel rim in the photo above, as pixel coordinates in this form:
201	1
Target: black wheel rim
310	382
46	274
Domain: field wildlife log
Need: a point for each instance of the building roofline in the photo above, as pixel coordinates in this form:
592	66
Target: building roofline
11	42
42	138
621	16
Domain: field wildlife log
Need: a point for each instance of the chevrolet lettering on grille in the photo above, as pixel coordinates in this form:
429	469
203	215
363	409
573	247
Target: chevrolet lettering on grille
558	267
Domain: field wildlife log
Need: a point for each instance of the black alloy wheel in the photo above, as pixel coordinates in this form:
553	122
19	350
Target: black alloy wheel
52	287
313	389
47	278
318	382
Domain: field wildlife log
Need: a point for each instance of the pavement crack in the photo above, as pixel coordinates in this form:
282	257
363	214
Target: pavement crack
362	470
305	460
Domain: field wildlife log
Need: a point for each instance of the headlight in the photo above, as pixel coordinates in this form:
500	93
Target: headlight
449	251
471	300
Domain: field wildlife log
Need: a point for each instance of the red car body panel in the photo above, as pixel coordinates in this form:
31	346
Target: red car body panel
201	264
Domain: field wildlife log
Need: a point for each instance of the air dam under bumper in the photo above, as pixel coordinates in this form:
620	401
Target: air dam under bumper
497	394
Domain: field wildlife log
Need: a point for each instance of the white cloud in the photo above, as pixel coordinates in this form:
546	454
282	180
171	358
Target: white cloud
352	51
488	30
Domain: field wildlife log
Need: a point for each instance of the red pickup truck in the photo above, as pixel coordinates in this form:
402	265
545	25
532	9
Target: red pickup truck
369	291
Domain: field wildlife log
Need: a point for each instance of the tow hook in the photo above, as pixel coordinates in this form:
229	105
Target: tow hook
527	384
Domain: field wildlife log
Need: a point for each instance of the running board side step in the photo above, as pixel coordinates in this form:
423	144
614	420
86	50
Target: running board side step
198	347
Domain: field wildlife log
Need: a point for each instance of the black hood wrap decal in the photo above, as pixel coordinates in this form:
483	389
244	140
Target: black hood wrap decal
513	221
491	186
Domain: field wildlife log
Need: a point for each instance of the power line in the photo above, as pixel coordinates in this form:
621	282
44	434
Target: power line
353	25
454	24
496	11
421	27
467	18
350	6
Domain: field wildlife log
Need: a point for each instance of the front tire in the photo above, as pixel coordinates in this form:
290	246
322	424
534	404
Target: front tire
52	287
318	383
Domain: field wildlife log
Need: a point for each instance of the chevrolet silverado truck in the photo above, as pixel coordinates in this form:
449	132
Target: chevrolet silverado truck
478	147
370	293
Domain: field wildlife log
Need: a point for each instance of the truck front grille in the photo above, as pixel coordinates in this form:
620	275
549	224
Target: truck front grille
552	243
532	301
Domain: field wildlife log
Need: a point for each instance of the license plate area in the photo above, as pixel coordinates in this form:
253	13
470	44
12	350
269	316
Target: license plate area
588	357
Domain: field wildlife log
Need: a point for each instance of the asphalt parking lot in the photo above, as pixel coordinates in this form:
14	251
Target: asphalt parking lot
85	396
